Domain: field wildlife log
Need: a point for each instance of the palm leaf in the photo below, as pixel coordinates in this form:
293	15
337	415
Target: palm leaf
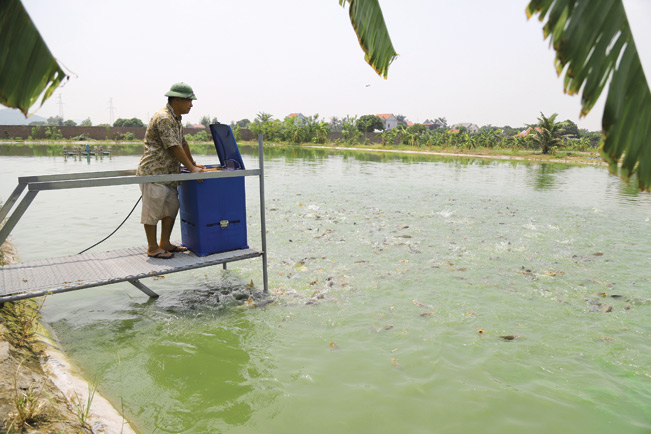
594	43
27	68
368	22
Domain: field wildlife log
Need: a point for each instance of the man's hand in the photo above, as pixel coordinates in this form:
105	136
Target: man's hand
186	160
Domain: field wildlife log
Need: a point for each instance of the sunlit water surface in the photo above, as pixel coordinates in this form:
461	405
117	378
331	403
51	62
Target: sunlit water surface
412	294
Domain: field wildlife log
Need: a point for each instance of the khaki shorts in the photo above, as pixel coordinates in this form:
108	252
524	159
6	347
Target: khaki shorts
158	201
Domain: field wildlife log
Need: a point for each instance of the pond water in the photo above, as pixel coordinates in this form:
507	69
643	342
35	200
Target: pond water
412	294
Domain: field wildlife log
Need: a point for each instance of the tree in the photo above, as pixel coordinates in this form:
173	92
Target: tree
349	130
598	48
55	120
417	128
133	122
413	134
488	137
594	47
570	129
402	120
243	123
369	123
336	124
86	123
592	38
321	132
389	136
546	133
206	121
508	131
70	123
265	124
263	117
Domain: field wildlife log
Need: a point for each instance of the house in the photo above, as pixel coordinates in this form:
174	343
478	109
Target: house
528	130
433	125
299	119
471	128
389	120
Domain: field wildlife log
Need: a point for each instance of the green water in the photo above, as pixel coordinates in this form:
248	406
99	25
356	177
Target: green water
394	279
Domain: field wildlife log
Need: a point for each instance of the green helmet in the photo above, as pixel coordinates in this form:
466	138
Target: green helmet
181	90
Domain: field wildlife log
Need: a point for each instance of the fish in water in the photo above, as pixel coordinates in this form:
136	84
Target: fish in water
251	302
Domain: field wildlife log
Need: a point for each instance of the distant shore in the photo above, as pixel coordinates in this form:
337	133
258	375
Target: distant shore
207	148
569	157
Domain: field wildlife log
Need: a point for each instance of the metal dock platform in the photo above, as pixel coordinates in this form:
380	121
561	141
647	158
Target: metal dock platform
86	270
70	273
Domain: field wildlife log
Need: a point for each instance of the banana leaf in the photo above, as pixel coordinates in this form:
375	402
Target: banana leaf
368	22
27	68
594	44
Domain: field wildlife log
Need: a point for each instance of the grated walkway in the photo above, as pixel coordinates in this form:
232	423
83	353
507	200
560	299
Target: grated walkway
70	273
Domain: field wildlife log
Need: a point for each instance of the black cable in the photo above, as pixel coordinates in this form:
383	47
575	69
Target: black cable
116	229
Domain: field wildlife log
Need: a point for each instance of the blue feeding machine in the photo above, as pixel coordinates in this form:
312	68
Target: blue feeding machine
213	212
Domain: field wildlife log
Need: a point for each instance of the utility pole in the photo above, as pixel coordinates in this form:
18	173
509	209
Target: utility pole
111	109
60	107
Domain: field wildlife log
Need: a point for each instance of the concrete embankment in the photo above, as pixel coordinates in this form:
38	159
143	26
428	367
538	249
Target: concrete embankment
34	369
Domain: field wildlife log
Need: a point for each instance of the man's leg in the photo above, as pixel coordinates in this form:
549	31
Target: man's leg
152	243
153	204
165	232
170	210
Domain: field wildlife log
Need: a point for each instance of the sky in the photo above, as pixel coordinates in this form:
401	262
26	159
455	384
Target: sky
465	60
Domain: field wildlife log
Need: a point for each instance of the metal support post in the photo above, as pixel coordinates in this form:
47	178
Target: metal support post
12	200
263	225
143	288
17	214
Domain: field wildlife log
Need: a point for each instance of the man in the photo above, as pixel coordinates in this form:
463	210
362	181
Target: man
165	149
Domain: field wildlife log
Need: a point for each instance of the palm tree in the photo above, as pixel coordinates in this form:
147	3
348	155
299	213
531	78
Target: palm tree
263	117
546	133
594	46
321	132
411	137
27	68
592	38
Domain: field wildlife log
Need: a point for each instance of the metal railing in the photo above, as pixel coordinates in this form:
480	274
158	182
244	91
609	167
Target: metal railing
35	184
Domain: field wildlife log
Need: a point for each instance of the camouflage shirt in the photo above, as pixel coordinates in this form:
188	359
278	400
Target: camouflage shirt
164	131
